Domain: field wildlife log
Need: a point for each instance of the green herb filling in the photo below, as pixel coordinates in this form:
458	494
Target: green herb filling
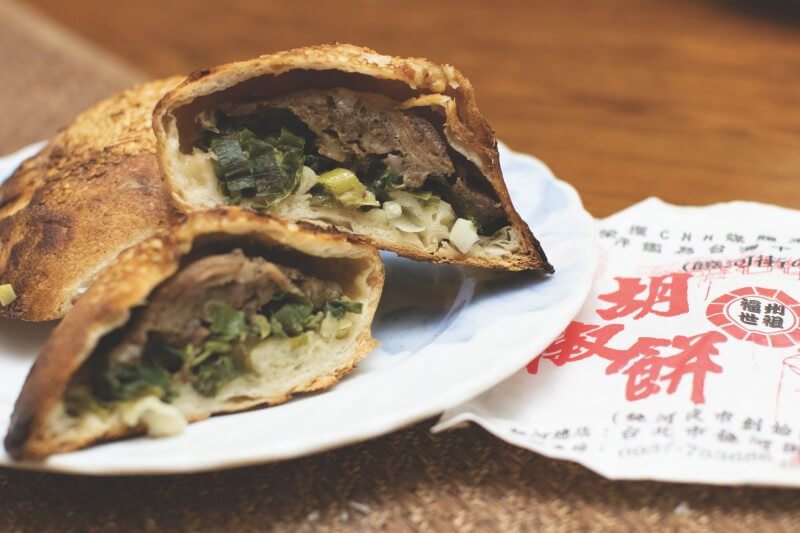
223	356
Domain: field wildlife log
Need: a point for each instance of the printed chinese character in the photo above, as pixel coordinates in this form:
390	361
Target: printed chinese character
723	416
791	447
773	321
622	242
663	431
717	249
630	432
561	434
694	414
751	424
580	341
641	231
688	250
749	318
643	376
667	418
653	247
579	447
636	417
734	237
665	296
695	431
781	429
644	362
763	443
726	436
582	431
608	233
539	435
750	306
766	238
774	309
694	358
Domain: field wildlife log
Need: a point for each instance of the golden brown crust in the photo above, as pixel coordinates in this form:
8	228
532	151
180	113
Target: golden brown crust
94	190
406	78
128	281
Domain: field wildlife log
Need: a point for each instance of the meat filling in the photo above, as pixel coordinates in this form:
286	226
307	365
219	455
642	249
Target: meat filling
200	326
365	133
178	311
351	126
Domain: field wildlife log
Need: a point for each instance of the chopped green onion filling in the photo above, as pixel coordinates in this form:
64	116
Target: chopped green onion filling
210	377
343	185
226	322
7	294
259	157
339	306
265	168
241	184
129	381
232	160
160	354
386	183
288	314
260	326
426	196
289	140
321	198
222	357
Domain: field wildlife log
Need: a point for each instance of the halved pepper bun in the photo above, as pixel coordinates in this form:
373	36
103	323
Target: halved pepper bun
439	146
93	191
42	423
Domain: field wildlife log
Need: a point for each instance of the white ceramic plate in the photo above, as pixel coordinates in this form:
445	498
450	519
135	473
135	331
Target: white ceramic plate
447	334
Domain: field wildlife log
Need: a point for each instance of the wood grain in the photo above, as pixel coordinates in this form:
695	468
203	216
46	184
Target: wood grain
633	99
407	482
694	101
49	75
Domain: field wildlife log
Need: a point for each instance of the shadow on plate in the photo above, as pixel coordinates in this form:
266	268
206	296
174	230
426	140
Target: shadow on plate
419	302
23	339
494	284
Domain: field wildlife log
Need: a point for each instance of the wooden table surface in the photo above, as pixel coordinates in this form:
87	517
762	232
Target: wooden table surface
694	101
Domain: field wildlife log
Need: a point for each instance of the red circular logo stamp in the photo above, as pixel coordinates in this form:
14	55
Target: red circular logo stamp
768	317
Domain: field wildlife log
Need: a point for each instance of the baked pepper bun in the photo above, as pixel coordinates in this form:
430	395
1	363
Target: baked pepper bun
392	149
223	312
94	190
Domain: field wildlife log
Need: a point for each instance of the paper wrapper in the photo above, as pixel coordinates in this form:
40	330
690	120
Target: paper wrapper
684	363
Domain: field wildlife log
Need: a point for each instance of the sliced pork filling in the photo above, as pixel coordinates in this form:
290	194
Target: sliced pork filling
200	327
348	149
